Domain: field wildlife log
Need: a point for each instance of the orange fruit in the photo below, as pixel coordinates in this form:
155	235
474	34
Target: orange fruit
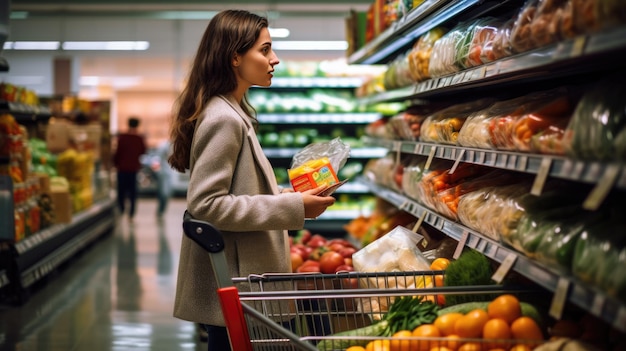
452	342
378	345
438	280
506	307
471	346
445	323
427	331
399	341
355	348
497	329
526	328
440	348
520	347
471	325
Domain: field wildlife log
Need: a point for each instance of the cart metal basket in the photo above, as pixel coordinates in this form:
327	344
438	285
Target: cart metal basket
299	311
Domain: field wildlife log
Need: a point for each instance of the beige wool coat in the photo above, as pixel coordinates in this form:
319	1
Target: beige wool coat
233	187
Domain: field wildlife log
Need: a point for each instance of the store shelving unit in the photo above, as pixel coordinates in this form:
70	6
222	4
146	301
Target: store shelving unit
33	258
330	221
574	59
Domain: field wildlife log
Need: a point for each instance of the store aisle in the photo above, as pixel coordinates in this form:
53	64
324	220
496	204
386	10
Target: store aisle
117	295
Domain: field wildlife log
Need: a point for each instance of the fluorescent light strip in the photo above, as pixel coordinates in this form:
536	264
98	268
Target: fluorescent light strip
106	45
77	45
279	32
31	45
286	45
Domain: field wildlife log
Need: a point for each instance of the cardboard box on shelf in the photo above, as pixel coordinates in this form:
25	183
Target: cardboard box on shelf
62	205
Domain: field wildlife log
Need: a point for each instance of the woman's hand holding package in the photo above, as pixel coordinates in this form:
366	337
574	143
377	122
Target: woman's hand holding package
315	205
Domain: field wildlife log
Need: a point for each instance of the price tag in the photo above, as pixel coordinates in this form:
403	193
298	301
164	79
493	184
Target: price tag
419	222
417	149
602	189
594	170
459	247
559	298
397	148
566	168
441	82
457	78
578	48
542	176
504	268
522	165
491	250
470	155
598	305
458	160
512	162
404	205
431	155
481	72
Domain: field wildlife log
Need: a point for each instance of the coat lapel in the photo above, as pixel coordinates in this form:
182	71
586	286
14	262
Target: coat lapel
257	150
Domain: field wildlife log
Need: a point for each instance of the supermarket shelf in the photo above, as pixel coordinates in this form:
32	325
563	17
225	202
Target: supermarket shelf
316	82
596	302
559	167
25	113
354	153
578	55
403	33
335	118
36	256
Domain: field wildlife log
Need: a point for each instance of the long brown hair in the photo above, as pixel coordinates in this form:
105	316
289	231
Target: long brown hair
211	74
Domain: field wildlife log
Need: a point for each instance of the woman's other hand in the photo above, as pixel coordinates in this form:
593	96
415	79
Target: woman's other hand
315	205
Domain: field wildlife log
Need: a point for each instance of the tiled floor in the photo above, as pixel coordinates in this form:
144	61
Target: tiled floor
118	295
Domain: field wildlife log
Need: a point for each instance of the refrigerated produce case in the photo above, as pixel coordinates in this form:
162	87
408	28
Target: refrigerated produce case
578	58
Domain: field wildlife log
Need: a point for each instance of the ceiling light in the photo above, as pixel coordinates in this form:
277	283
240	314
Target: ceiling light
31	45
338	45
279	32
106	45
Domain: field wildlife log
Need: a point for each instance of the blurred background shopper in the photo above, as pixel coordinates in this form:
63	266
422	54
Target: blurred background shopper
130	146
232	184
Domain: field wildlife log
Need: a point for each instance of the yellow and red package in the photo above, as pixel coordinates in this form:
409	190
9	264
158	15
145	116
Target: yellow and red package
312	174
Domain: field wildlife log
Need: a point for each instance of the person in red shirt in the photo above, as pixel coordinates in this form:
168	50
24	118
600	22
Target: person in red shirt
130	146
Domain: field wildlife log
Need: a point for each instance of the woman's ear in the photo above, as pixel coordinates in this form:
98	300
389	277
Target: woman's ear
236	60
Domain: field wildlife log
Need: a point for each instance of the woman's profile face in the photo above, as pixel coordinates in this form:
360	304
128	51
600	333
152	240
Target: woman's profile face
256	66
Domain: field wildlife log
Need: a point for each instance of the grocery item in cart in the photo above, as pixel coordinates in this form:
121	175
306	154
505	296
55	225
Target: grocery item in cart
396	251
444	125
419	56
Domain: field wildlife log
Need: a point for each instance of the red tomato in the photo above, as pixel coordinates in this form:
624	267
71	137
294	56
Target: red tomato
296	261
317	241
306	268
330	261
347	252
335	247
311	263
302	250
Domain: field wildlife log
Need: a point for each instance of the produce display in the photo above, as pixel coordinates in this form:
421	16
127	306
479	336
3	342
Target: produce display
315	253
313	100
444	126
419	56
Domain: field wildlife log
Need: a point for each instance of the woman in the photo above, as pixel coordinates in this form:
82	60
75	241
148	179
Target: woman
232	184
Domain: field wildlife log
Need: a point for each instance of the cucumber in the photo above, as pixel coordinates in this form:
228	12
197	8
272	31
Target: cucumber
375	329
528	310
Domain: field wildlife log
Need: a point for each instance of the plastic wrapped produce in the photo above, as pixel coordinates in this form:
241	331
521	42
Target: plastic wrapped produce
407	124
476	131
537	113
521	36
501	44
482	210
480	35
600	254
412	176
419	57
545	27
443	56
444	126
398	74
447	201
599	118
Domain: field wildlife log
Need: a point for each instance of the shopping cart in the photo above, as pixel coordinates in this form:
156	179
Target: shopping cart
298	311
